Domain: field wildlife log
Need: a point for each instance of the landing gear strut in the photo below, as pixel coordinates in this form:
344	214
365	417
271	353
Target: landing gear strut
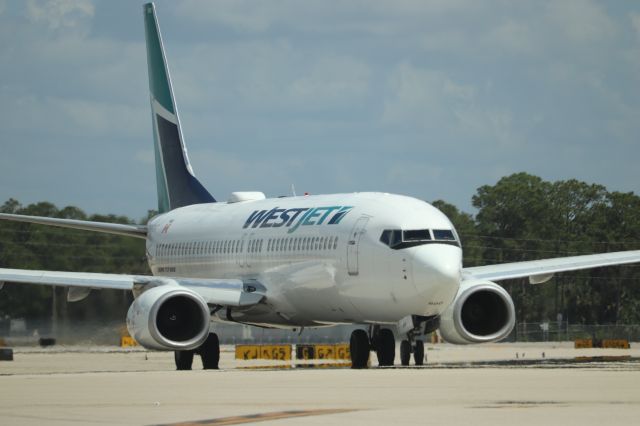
209	352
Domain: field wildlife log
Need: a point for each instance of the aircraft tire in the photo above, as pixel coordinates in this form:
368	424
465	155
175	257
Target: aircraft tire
405	352
184	360
386	350
210	352
418	353
359	348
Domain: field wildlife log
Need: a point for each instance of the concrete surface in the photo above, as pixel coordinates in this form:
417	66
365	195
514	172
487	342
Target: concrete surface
110	386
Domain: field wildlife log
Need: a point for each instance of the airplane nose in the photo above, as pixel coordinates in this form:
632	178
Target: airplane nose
437	271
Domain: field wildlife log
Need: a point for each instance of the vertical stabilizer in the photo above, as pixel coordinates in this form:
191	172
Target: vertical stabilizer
177	185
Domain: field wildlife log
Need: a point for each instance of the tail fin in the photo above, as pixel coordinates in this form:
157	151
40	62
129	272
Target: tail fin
177	185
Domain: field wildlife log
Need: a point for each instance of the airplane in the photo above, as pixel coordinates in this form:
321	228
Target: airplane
377	260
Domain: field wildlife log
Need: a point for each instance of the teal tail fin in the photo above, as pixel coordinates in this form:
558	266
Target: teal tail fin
177	185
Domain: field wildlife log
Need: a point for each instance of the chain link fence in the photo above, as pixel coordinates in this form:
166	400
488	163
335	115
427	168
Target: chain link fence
82	333
21	332
563	331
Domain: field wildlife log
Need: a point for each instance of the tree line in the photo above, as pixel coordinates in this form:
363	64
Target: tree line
521	217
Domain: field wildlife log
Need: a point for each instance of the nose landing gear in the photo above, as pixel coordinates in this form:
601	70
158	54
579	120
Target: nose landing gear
382	341
407	347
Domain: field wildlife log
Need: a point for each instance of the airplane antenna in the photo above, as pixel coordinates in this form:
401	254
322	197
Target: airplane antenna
293	189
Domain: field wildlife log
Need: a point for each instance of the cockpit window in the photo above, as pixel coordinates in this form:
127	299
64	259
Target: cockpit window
399	239
392	238
443	234
416	235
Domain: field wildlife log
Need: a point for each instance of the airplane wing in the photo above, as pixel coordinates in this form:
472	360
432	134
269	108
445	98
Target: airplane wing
229	292
139	231
540	271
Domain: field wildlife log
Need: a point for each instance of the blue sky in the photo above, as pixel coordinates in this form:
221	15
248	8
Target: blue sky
426	98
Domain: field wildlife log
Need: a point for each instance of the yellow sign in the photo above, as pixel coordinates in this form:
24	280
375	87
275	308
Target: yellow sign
247	352
283	352
305	352
339	351
127	341
615	344
274	352
277	352
342	351
583	343
325	352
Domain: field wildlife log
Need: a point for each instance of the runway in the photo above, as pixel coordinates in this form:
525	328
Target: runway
491	386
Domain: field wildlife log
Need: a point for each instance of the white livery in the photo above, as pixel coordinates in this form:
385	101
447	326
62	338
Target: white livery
374	259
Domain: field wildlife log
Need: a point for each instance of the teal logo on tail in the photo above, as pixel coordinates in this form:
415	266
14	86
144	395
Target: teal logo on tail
176	183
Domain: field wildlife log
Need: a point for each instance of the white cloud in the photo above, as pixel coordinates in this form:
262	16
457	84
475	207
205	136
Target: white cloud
422	97
146	157
267	76
331	80
635	23
581	21
81	119
61	15
514	36
432	101
407	172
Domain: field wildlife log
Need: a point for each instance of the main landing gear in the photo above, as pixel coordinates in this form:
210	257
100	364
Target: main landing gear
380	340
209	352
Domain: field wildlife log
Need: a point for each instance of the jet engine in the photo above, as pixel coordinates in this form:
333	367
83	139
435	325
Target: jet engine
481	312
169	317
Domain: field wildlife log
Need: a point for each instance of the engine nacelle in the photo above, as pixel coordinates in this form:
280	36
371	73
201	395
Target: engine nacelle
481	312
169	317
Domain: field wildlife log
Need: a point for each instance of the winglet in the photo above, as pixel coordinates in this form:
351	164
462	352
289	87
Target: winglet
176	183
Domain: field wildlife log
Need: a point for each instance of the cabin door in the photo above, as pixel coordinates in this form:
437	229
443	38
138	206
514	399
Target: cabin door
353	244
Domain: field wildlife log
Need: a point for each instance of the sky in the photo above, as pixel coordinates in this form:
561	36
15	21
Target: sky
431	99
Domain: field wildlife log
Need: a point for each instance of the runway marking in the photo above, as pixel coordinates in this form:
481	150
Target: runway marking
260	417
522	404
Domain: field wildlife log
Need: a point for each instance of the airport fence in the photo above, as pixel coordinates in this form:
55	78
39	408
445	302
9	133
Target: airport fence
564	331
20	332
80	333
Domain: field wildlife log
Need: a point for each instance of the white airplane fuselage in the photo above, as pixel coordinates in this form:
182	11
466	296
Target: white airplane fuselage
319	259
